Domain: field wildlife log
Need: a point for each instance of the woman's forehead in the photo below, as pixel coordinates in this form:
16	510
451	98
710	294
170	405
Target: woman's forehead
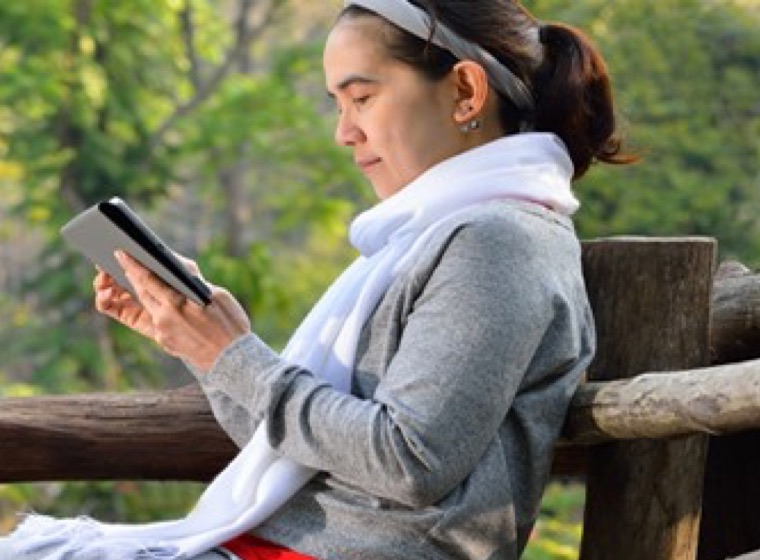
368	32
355	45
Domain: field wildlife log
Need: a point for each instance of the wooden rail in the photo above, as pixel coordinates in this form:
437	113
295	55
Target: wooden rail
150	435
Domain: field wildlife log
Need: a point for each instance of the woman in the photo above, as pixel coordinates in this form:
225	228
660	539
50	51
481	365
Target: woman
414	412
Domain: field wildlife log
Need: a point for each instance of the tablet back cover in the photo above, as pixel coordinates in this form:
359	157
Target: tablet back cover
97	237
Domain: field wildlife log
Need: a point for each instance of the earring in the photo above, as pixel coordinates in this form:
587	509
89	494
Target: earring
474	124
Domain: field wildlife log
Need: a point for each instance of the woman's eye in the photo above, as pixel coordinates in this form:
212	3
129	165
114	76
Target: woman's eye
361	100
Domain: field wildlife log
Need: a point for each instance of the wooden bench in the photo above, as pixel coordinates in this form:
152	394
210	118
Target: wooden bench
659	394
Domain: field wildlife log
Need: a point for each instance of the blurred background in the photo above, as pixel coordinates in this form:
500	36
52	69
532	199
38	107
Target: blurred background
211	119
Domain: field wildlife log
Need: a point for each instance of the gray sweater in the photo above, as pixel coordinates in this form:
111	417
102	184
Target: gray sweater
463	377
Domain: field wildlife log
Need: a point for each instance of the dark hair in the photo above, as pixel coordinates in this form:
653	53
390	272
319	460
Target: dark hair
564	70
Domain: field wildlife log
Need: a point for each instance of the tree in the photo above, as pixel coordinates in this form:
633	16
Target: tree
199	120
686	74
167	105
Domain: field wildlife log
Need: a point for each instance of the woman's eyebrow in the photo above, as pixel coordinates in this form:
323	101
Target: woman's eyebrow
351	80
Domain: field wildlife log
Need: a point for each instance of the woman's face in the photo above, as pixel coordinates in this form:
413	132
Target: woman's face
397	122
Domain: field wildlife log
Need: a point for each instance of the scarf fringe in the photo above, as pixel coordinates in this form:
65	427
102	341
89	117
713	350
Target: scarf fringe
82	538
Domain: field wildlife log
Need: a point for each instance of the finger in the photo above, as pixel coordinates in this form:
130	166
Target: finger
190	265
102	280
139	277
109	295
111	303
104	300
229	307
105	290
222	298
152	292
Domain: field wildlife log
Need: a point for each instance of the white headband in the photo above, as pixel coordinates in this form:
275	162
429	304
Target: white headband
414	20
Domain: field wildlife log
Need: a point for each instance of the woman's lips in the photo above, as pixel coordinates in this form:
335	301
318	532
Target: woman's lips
367	163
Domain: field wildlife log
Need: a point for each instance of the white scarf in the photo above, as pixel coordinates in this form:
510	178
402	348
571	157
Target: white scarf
258	481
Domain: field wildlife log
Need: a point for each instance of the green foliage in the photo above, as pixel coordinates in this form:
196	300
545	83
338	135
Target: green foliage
131	502
557	533
686	74
100	100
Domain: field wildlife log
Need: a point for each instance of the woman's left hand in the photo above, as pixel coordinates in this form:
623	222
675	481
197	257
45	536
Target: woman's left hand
194	333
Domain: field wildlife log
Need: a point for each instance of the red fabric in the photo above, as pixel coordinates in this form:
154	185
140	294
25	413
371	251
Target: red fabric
248	547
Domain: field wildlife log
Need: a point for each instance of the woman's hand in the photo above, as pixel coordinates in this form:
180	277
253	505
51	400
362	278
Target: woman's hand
181	327
116	302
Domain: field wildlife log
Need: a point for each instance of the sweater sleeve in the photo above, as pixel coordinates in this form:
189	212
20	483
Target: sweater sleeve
477	319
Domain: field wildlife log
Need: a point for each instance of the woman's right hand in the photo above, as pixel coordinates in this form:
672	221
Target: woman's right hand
116	302
197	334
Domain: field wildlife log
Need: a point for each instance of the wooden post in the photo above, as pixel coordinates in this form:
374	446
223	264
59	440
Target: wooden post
651	299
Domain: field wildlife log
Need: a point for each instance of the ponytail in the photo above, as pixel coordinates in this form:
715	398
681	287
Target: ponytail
565	72
574	98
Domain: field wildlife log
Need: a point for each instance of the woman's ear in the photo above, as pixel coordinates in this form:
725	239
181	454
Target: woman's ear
471	82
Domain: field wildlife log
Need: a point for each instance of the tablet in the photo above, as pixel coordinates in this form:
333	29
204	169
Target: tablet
111	225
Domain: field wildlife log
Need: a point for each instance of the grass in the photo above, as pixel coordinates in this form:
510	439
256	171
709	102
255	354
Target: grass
557	533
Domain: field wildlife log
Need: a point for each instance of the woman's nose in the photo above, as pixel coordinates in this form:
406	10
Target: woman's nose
347	133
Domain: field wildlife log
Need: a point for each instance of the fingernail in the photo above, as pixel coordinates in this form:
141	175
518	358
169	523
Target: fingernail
120	256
